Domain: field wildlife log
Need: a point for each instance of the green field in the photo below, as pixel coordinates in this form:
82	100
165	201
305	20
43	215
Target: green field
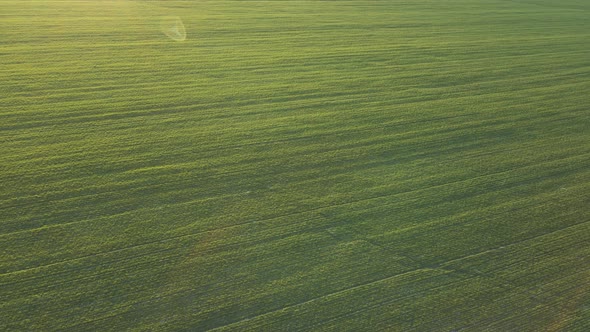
295	166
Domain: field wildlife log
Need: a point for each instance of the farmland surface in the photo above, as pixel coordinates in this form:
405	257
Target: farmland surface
295	165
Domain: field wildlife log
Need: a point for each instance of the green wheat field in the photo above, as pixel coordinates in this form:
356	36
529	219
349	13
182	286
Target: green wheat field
375	165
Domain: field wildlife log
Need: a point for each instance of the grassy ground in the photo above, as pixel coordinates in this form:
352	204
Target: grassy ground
295	165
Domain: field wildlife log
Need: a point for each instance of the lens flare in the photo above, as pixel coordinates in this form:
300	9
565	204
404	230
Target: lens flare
173	27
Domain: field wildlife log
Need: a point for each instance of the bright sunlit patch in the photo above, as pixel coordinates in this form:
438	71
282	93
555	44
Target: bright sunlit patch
173	27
